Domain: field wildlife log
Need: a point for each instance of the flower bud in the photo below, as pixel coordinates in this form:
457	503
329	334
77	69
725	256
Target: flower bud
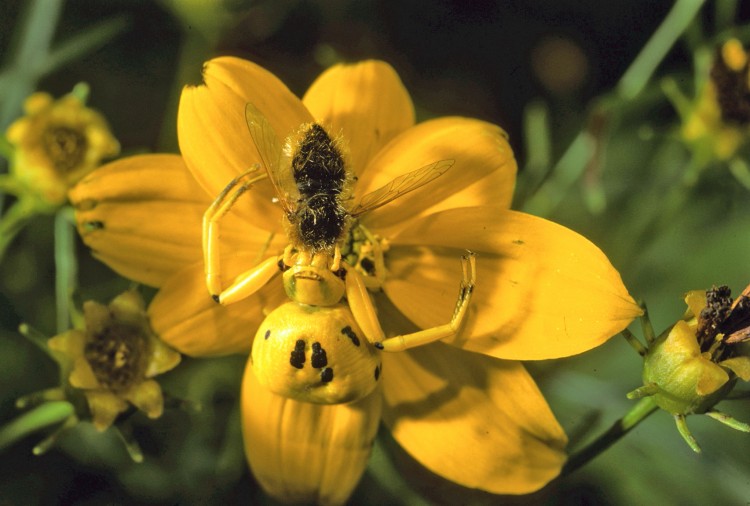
694	364
687	381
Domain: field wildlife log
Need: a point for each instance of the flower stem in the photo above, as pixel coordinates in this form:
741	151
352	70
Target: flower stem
636	415
640	71
66	267
569	168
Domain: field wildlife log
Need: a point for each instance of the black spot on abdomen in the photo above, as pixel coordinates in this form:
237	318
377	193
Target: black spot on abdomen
319	358
348	332
297	358
326	375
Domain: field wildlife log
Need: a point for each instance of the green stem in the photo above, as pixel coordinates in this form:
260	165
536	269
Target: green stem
35	38
41	417
634	342
66	267
640	71
573	162
636	415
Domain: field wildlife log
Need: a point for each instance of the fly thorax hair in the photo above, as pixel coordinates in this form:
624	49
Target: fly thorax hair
321	172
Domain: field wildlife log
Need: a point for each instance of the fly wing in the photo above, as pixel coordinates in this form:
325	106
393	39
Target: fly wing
270	149
401	186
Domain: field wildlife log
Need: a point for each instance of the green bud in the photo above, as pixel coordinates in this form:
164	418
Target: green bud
687	382
694	364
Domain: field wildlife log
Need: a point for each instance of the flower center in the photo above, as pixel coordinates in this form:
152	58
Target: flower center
65	147
732	88
117	355
365	252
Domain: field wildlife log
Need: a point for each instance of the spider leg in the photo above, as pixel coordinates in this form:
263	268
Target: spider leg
249	282
466	288
361	306
211	218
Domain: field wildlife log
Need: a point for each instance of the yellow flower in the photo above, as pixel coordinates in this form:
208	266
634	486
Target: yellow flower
542	290
56	143
694	364
716	124
114	358
698	359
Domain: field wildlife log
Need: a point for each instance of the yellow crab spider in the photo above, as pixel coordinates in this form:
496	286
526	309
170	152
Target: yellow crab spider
322	345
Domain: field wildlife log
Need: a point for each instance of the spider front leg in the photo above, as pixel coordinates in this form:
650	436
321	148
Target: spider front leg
211	241
365	315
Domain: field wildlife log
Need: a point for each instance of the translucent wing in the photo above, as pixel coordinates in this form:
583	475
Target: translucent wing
401	186
270	149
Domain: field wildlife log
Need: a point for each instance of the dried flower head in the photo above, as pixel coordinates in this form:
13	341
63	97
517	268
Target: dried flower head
114	358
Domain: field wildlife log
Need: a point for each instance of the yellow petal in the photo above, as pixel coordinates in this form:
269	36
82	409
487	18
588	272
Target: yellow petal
70	343
184	315
483	173
104	406
307	453
696	302
142	216
365	102
475	420
131	212
738	365
542	291
97	317
215	140
128	305
711	379
162	358
82	375
147	397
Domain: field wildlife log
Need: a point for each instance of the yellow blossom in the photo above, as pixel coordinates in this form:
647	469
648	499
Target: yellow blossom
56	143
114	358
694	364
716	124
542	290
